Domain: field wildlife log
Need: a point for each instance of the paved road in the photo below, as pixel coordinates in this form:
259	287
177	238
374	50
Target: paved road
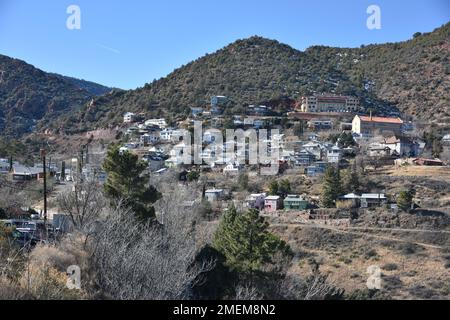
52	197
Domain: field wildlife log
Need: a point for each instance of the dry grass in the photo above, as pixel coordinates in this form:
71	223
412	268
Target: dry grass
419	274
420	171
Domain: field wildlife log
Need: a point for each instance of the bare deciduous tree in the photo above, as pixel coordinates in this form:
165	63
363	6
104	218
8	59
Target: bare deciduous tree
148	261
315	287
247	292
83	205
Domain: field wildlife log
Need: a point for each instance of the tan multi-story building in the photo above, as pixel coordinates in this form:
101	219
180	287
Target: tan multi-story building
369	125
330	103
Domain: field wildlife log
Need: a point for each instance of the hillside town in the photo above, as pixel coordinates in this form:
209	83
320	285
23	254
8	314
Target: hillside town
224	159
326	131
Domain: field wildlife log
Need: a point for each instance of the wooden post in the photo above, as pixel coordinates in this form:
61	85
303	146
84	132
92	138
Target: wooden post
45	185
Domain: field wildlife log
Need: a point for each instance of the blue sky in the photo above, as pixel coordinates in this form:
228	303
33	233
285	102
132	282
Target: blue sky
128	43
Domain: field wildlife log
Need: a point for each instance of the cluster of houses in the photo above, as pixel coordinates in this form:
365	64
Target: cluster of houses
292	202
161	145
21	172
399	146
264	202
380	138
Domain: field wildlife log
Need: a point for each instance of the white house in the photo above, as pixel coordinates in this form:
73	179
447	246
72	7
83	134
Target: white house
365	200
446	138
379	151
315	148
334	154
4	166
403	146
170	134
156	122
177	156
129	146
153	136
255	201
213	195
372	200
166	134
129	117
231	168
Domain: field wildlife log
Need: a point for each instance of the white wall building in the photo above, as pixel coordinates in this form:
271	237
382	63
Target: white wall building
213	195
129	117
334	155
255	201
231	168
150	138
156	122
329	103
4	166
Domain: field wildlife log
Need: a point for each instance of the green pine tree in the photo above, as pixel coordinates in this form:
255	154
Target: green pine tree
331	187
127	182
284	188
404	200
436	148
243	181
350	180
247	244
273	188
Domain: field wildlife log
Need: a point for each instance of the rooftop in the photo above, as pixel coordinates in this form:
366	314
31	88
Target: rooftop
364	196
381	119
214	191
373	196
294	197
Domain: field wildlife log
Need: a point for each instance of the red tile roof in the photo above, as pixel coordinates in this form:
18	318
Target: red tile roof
381	119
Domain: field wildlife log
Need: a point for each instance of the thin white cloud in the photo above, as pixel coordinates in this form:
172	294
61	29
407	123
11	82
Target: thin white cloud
108	48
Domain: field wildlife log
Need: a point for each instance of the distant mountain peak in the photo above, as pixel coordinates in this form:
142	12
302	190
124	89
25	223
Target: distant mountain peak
28	94
388	78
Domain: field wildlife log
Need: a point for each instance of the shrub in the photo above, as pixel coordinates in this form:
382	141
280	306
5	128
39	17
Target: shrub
390	267
10	290
409	248
371	254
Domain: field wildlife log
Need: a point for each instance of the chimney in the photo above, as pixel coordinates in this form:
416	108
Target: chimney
370	115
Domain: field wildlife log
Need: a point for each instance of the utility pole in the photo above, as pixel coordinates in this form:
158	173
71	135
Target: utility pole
11	164
87	153
45	185
80	166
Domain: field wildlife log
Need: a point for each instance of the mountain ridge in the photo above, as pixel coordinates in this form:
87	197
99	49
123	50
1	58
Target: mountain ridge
29	94
411	78
389	78
90	86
